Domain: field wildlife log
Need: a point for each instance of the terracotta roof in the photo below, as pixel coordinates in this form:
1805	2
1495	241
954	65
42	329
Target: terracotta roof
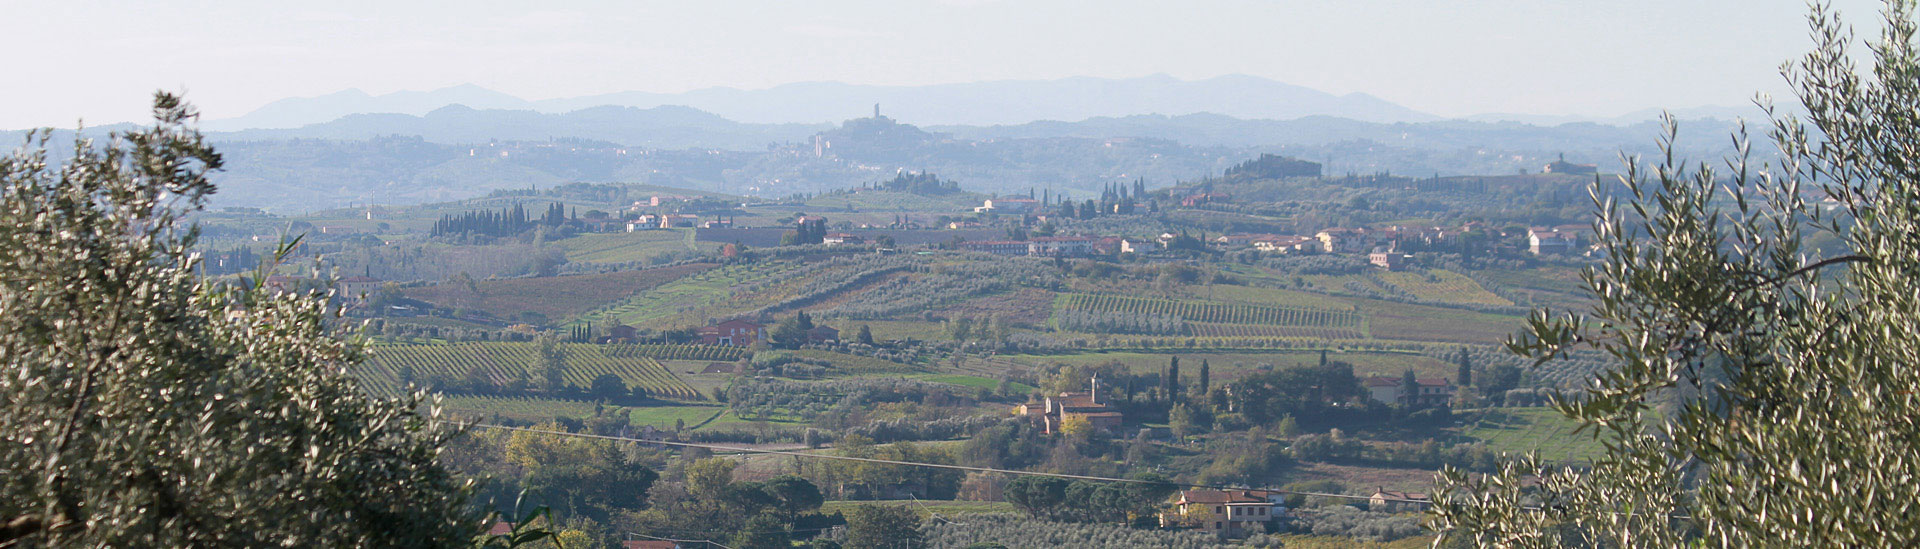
1387	381
1390	494
500	528
1222	496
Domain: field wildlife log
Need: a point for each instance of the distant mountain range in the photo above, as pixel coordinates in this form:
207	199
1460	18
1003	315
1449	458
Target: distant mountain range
1007	102
459	142
980	103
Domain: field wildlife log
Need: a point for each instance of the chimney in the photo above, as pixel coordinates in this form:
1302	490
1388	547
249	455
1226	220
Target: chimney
1094	394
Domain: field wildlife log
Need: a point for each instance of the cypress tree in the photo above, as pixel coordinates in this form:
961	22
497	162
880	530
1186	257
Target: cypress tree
1466	368
1205	384
1172	383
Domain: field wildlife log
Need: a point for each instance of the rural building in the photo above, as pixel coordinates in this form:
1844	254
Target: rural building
651	544
1340	240
1060	246
1135	245
717	224
1014	206
1389	501
1051	412
837	239
355	287
1386	389
1388	259
736	332
1554	240
1562	166
996	247
1225	513
822	334
1287	244
622	333
1233	240
669	221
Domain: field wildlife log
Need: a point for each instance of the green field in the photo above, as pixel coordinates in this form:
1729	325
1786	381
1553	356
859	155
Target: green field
662	417
1405	321
554	298
501	361
633	246
973	381
1443	286
1521	430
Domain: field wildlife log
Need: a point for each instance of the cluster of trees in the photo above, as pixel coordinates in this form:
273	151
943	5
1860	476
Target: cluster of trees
1113	322
948	283
863	480
842	403
922	183
151	407
808	231
707	502
509	221
1053	498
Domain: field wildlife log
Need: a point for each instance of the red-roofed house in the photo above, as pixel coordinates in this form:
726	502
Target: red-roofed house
1433	392
1226	513
1388	501
1053	411
737	332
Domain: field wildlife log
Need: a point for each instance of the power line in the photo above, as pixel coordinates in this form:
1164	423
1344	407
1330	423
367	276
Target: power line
715	543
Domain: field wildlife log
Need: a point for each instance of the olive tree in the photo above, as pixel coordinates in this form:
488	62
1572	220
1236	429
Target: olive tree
150	407
1765	390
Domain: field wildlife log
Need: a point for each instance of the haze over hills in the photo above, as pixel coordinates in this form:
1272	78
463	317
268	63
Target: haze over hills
979	103
1007	102
464	141
456	152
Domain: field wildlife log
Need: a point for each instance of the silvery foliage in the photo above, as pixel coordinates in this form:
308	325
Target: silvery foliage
1800	369
149	407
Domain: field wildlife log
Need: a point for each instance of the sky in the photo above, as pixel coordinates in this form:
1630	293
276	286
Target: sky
101	60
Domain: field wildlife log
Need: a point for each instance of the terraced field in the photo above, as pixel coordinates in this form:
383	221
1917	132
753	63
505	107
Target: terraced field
1205	329
683	300
1213	312
555	298
503	361
1443	286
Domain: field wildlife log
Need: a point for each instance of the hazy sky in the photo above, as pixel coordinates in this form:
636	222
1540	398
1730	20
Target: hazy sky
100	60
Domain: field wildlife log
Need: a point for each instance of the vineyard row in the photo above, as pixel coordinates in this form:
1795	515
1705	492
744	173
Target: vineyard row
1223	313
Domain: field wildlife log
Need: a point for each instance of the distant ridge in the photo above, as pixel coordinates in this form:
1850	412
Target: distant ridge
980	103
